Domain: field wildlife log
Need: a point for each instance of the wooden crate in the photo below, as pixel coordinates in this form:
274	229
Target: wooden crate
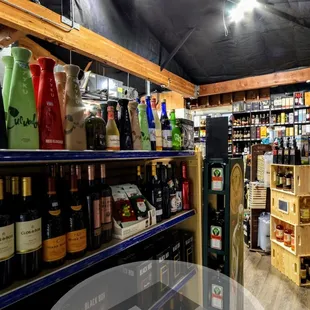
257	195
301	175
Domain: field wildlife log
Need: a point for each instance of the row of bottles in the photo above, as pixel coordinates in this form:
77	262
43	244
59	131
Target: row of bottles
286	152
284	179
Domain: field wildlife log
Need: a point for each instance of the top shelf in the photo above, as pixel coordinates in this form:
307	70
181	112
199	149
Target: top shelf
45	156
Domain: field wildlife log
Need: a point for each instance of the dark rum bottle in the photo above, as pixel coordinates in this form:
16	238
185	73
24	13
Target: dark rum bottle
281	152
286	156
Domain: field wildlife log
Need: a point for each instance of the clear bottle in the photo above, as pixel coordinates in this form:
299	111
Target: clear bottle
125	126
112	133
145	135
165	128
151	123
158	133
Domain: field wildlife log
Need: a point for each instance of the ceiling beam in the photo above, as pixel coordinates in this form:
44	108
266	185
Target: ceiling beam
45	24
9	35
255	82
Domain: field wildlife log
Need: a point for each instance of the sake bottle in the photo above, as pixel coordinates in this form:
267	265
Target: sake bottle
35	73
50	123
75	134
3	133
8	70
158	134
125	126
22	125
135	126
145	136
60	78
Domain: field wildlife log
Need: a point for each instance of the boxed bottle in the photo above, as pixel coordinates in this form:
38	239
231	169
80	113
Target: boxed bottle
187	250
187	131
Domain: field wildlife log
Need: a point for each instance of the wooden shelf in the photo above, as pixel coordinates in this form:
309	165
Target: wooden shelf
281	244
283	191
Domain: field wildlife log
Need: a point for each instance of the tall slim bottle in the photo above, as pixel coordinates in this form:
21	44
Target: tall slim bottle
22	124
60	79
125	126
151	123
165	128
112	133
28	234
7	244
3	132
75	134
165	193
135	126
50	122
185	188
158	134
145	135
113	103
8	70
35	74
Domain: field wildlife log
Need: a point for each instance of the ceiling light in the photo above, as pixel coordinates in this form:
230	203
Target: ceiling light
236	14
244	6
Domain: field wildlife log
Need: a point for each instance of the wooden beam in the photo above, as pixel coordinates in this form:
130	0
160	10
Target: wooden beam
9	36
255	82
88	43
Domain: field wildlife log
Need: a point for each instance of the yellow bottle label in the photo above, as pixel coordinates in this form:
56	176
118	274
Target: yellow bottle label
76	241
54	212
54	249
76	208
6	242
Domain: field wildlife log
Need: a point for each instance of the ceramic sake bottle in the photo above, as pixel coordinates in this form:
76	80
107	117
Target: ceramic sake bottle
35	73
3	134
50	122
75	134
60	78
22	124
135	126
8	70
145	136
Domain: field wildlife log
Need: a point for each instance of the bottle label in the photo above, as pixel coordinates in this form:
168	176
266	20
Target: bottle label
76	208
287	238
152	134
216	237
6	242
279	234
28	236
54	249
76	241
178	197
173	203
106	210
158	200
217	296
159	212
288	181
113	143
217	179
305	214
177	140
159	141
96	213
167	138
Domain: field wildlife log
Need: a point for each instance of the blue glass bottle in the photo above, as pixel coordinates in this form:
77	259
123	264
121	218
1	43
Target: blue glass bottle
165	128
151	122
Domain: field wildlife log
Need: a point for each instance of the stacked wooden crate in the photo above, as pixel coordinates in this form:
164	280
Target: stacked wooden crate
285	210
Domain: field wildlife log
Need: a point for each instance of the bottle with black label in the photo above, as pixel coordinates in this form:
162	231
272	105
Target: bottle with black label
165	193
288	180
178	189
172	191
7	246
28	229
281	152
286	156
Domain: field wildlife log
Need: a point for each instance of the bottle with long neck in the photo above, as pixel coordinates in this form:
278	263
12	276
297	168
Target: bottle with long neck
75	134
28	234
54	235
125	126
185	188
158	134
135	126
22	124
165	128
8	190
145	135
35	74
112	133
151	123
8	70
93	212
172	191
165	193
106	207
7	247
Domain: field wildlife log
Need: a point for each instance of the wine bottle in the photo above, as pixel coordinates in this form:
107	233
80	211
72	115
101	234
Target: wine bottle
158	134
113	104
106	207
76	228
125	126
135	126
7	247
178	189
35	74
93	212
151	123
286	152
172	191
112	133
165	193
54	235
62	188
185	188
28	234
165	128
144	126
139	180
172	119
281	152
8	70
8	190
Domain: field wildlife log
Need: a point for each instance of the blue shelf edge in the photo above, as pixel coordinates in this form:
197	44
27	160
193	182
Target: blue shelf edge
45	281
35	156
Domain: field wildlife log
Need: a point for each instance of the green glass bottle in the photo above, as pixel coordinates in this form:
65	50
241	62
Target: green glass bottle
145	137
8	69
22	124
176	136
172	119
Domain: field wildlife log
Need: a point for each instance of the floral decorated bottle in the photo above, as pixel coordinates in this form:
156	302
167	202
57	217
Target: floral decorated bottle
75	134
145	136
8	70
22	124
35	73
135	126
50	122
60	78
125	126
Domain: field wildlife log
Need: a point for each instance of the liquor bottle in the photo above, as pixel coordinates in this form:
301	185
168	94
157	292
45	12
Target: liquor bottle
7	246
125	126
35	74
8	70
76	229
280	179
172	191
217	232
145	135
286	159
185	188
95	131
275	151
178	189
28	234
135	126
176	137
22	124
288	178
158	134
3	131
54	235
62	187
15	199
112	133
60	79
304	212
151	123
216	294
303	272
48	108
93	212
154	193
139	180
165	128
113	103
281	152
106	201
75	134
165	193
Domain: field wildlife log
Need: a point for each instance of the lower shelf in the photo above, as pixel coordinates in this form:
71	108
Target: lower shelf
281	244
21	289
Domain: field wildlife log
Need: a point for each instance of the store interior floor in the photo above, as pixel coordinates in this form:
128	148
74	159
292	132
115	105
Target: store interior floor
272	289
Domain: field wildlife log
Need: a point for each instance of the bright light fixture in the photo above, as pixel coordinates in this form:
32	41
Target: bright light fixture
244	6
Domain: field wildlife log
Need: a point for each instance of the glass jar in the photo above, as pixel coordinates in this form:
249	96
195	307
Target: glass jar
293	242
280	233
287	237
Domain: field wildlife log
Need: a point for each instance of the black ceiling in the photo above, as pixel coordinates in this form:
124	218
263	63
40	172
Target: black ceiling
261	43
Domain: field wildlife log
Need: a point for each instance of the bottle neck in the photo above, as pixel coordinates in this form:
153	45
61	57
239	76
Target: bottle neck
26	187
164	108
184	172
15	186
51	186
